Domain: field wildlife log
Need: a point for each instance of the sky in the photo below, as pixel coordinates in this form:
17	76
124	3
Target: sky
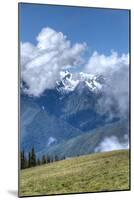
103	30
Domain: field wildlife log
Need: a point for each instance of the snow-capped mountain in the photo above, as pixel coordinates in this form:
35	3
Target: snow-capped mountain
69	82
66	83
67	111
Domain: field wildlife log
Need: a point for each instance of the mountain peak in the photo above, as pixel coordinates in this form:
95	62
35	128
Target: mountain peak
66	83
69	82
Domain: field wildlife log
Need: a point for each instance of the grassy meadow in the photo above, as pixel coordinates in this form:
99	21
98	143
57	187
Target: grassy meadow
90	173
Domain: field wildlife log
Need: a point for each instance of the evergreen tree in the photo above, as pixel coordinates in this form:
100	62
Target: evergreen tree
48	159
23	160
44	159
29	159
33	158
26	162
56	158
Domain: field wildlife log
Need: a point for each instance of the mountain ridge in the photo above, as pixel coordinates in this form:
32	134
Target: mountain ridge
67	111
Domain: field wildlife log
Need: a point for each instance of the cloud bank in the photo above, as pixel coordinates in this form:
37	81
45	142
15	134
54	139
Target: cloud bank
41	64
111	143
115	93
115	70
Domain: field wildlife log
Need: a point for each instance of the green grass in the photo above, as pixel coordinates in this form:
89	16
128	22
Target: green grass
91	173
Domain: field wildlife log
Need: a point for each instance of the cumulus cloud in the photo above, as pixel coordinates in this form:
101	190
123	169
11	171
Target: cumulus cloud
115	69
102	64
111	143
41	64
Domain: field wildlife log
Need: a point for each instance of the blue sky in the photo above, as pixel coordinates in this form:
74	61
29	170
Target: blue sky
102	29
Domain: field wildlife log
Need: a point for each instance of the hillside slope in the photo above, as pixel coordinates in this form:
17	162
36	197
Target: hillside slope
91	173
38	127
87	143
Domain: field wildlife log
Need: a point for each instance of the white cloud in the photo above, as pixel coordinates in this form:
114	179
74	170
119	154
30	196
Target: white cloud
51	140
41	64
111	143
115	69
102	64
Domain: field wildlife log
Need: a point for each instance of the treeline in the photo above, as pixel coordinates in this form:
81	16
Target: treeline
31	159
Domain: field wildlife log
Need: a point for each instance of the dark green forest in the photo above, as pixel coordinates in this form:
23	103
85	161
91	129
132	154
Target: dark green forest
31	159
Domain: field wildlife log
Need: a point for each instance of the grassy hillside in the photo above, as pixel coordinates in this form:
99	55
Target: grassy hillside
95	172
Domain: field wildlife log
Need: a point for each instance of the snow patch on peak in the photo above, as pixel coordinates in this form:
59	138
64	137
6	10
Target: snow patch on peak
65	75
68	82
91	81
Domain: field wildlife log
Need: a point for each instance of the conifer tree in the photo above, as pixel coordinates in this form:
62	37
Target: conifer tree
44	159
23	160
33	158
48	159
29	159
56	158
